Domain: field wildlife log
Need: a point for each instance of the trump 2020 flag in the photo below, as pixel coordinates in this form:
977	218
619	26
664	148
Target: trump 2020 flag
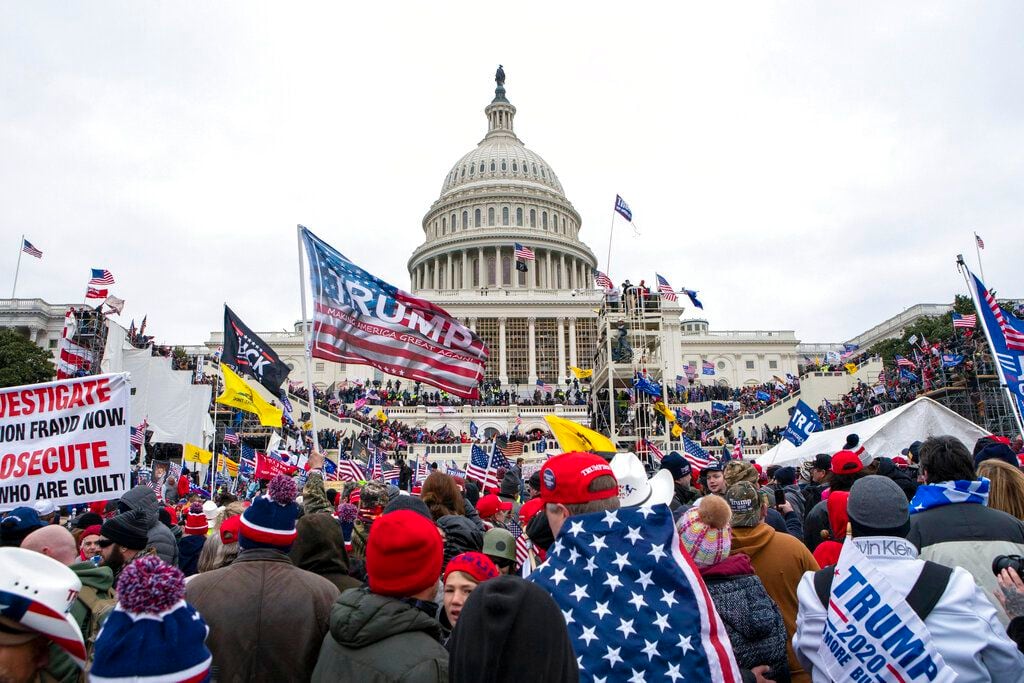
1005	334
634	604
358	318
803	422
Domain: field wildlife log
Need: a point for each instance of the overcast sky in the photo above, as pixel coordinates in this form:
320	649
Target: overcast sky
813	167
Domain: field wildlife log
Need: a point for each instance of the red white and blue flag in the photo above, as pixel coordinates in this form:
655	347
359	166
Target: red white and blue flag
965	321
694	454
231	436
665	288
622	208
101	276
350	470
544	386
138	434
603	281
633	602
524	253
904	362
27	247
93	293
656	453
359	318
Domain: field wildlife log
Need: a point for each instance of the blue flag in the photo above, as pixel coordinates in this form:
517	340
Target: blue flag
717	407
951	360
622	208
647	386
907	375
801	424
763	396
473	429
692	293
1005	333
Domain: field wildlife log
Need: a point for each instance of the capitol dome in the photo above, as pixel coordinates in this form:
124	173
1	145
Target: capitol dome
497	195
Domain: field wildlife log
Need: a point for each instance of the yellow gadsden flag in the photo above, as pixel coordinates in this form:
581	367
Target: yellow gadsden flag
238	394
677	431
851	368
193	453
580	373
663	409
572	436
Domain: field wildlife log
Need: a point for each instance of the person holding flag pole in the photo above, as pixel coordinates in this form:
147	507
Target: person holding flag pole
305	337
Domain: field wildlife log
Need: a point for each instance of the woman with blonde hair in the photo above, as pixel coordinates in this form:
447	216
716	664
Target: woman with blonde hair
1006	486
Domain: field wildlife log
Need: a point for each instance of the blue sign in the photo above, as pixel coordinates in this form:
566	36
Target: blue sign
801	424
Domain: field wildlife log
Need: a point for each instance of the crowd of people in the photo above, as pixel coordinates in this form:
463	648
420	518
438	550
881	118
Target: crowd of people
584	570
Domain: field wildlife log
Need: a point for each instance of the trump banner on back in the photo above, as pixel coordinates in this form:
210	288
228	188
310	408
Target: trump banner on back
65	441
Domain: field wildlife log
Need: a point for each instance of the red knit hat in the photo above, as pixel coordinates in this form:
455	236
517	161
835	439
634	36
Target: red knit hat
195	522
93	530
172	512
229	529
565	478
404	554
846	462
476	566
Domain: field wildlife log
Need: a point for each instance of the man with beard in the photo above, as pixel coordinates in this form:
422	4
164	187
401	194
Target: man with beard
124	538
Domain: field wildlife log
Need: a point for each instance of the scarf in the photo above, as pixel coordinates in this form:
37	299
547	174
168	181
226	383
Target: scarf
930	496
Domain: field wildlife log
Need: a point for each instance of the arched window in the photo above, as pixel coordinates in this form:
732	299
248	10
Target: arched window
481	167
533	216
465	219
453	222
535	169
506	269
490	215
519	216
476	272
544	220
476	217
472	169
444	226
492	165
543	172
491	272
463	171
504	167
515	168
504	215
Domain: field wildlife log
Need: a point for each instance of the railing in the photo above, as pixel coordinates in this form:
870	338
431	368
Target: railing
754	415
533	451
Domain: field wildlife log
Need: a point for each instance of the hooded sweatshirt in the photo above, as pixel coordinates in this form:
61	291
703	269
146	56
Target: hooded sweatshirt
780	561
320	548
95	580
143	498
377	639
513	630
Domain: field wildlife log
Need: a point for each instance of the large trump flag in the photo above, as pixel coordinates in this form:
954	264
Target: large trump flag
358	318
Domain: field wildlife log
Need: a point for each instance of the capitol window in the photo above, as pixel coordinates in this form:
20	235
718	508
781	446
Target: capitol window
519	217
490	216
463	171
773	365
481	167
444	226
491	271
515	168
476	217
535	169
721	365
503	166
533	218
465	220
504	215
492	166
453	222
544	220
472	169
750	365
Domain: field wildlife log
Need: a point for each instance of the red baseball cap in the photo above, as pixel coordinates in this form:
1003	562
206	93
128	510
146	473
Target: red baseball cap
528	509
846	462
490	504
566	477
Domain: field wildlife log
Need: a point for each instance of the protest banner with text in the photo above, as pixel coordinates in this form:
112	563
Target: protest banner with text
64	441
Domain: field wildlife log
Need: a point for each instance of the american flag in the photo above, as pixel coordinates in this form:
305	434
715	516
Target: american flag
544	386
101	276
694	454
479	464
360	319
622	208
27	247
513	449
968	321
665	288
93	293
138	436
655	452
522	549
708	368
350	470
633	602
603	281
247	460
904	362
524	253
981	242
231	436
737	450
1014	337
375	465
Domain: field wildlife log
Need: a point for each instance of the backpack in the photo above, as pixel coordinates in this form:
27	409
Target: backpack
98	611
924	595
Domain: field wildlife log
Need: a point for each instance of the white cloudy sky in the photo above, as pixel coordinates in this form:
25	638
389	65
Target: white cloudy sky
806	166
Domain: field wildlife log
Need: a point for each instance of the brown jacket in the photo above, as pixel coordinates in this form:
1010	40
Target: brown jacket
780	561
267	617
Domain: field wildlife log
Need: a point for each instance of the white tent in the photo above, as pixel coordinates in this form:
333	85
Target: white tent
882	436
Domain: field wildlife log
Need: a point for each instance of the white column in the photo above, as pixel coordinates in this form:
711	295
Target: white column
436	264
561	351
563	272
532	342
480	269
572	343
499	276
451	272
547	272
513	273
466	278
502	356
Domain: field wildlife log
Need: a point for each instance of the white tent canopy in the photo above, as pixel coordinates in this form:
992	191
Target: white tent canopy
882	436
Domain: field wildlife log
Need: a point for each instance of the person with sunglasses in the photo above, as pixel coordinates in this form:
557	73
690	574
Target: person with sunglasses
123	539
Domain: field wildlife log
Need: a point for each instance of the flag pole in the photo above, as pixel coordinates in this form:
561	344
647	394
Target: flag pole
977	250
608	261
305	337
988	337
17	268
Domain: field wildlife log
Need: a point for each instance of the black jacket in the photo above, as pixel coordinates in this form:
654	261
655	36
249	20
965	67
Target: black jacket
189	548
887	468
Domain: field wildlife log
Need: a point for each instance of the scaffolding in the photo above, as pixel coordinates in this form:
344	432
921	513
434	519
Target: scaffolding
983	403
630	335
89	334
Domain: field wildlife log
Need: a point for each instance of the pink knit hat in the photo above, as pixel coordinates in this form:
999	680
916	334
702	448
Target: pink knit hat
704	531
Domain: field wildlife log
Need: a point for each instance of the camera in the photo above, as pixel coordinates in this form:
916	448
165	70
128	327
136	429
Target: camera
1014	562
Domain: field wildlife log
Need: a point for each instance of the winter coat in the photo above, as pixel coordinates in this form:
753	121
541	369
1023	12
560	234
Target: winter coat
267	617
320	548
795	497
143	498
964	627
189	548
753	621
968	535
97	589
684	496
816	522
779	560
887	468
460	535
377	639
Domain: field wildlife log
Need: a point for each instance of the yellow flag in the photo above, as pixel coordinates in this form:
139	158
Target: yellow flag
193	453
381	416
580	373
663	409
851	368
677	431
238	394
572	436
227	466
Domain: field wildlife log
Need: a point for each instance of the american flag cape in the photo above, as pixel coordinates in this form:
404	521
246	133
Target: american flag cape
358	318
633	603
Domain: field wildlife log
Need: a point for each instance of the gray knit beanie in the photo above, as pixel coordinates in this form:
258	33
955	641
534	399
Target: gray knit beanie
878	507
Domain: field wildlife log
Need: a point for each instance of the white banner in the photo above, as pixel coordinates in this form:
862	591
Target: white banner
871	633
64	441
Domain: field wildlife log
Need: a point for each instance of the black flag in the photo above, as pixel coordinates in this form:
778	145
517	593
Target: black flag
245	352
521	266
